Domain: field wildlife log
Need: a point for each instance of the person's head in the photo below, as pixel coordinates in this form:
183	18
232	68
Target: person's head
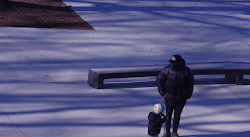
159	108
177	61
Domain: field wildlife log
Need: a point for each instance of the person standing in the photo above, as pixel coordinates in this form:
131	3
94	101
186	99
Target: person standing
175	83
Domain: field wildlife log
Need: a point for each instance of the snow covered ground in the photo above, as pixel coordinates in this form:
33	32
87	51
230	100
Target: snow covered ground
43	72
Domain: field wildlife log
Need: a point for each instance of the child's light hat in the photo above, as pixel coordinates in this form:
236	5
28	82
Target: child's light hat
159	108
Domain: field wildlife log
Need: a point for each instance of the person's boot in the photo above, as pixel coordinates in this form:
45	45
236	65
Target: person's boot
167	134
174	134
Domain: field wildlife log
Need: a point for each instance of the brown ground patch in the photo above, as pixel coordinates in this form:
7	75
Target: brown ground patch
41	14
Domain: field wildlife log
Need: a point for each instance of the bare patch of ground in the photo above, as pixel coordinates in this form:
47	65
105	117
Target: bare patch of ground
41	14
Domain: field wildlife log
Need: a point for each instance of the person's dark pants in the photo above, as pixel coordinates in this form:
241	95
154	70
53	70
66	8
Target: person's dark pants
172	105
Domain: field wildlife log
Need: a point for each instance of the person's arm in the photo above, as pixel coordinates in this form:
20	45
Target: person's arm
158	121
163	118
190	84
160	80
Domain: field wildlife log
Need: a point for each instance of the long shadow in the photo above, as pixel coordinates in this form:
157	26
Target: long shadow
109	7
205	81
163	11
232	134
102	102
79	101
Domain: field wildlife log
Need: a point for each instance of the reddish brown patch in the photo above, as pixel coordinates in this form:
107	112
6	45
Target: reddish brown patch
41	14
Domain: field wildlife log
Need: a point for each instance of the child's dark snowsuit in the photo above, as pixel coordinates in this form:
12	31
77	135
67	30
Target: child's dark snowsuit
154	123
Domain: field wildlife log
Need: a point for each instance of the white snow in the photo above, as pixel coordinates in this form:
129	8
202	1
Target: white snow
43	72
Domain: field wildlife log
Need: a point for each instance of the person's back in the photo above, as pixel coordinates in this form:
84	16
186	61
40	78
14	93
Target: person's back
175	83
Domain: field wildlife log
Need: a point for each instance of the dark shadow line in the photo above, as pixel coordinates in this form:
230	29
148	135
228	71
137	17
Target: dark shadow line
206	81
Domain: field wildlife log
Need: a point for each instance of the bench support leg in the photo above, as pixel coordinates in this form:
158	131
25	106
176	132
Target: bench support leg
239	79
235	77
94	80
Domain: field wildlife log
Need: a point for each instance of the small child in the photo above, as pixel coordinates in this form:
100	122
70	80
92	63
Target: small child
155	120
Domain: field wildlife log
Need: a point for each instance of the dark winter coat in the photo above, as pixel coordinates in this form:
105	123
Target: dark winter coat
154	123
176	83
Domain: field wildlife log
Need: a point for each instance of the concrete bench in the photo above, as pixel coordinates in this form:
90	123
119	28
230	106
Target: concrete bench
233	71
